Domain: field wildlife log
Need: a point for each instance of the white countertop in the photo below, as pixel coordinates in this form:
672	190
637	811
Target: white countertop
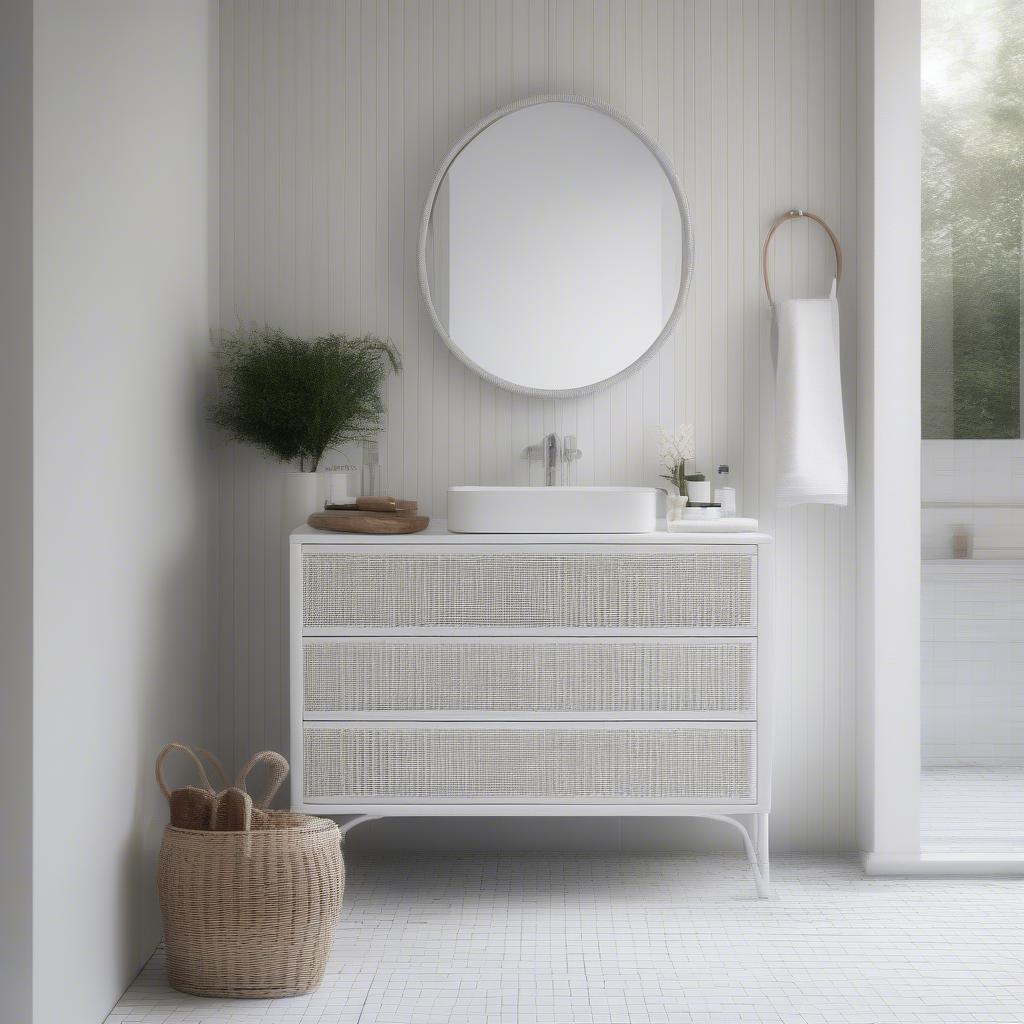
437	533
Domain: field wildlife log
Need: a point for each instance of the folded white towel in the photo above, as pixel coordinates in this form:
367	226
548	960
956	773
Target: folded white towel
734	524
810	439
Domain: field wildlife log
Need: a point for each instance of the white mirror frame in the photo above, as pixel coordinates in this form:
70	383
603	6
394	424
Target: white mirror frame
686	236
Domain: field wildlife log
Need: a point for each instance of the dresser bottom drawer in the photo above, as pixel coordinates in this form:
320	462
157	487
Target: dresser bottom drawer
516	762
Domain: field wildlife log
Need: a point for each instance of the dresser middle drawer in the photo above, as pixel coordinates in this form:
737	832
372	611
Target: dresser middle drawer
420	677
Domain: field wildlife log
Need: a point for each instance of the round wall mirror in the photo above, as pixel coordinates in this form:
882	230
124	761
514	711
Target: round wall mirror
555	248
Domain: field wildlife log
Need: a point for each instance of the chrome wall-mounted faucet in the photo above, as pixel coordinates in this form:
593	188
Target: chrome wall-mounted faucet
570	453
551	452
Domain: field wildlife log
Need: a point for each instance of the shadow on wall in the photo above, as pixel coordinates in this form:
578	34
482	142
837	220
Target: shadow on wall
176	697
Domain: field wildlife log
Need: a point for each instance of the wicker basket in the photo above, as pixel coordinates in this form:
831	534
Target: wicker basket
251	914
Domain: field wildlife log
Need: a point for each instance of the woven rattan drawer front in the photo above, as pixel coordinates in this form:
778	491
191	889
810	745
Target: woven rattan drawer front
529	763
588	590
666	676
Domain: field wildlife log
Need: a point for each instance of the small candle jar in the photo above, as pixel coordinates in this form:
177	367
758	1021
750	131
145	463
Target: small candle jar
699	491
342	485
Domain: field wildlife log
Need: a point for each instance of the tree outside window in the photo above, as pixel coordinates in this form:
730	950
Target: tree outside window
972	162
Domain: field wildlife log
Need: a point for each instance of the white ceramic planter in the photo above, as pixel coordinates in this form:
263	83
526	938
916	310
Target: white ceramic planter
304	493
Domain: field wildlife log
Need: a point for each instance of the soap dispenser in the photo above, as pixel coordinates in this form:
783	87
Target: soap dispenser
724	494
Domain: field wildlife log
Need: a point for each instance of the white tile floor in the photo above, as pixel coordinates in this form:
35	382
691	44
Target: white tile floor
976	808
568	939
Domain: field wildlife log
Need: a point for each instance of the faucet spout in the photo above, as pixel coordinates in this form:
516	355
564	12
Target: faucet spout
549	447
552	451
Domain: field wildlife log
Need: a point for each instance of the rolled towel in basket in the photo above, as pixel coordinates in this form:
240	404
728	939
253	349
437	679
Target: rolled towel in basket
810	436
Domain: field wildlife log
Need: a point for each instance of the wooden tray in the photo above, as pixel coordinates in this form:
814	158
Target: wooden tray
368	522
375	504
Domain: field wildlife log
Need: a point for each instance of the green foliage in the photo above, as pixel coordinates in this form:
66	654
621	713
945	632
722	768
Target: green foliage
679	477
296	398
972	203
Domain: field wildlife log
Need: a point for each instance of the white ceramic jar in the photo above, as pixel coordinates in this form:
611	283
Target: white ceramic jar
698	491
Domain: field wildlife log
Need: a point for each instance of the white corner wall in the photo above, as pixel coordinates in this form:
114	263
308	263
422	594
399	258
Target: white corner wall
889	435
122	129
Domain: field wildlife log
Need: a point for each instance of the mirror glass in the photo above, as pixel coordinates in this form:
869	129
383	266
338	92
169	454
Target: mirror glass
555	249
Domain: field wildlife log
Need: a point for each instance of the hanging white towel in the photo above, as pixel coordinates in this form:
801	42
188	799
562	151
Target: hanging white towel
810	437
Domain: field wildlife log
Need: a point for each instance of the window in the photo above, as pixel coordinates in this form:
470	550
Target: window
972	163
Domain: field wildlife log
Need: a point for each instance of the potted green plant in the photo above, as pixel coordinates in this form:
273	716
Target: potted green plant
298	398
675	450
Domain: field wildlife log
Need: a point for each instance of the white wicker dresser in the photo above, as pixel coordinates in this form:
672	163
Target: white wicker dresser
458	674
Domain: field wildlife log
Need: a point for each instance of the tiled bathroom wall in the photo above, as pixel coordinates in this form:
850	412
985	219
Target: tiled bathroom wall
972	611
977	486
972	662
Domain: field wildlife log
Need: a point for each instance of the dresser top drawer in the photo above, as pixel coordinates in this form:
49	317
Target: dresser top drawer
527	589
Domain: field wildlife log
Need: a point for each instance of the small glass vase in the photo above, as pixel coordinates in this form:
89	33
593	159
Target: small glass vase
674	505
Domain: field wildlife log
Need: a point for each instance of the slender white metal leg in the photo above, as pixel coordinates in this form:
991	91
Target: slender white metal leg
346	826
762	847
760	880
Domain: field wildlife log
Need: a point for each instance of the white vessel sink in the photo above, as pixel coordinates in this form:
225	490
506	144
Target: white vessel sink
552	509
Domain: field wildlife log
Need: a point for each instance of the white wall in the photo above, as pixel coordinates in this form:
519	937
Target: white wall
122	298
334	118
16	509
889	434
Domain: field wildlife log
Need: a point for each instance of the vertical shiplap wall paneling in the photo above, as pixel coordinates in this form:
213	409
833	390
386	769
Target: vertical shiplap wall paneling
225	579
778	147
721	203
797	536
831	541
806	615
848	552
831	674
252	696
815	570
334	117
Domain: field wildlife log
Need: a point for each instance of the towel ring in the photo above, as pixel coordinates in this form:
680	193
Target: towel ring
790	215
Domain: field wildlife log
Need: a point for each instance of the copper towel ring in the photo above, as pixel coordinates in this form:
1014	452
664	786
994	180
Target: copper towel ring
790	215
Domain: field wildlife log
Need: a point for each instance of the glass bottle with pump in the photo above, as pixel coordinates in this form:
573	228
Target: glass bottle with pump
725	495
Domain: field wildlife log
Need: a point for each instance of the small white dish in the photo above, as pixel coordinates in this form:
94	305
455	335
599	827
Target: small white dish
694	512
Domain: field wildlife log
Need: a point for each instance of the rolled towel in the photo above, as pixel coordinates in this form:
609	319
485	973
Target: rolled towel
810	437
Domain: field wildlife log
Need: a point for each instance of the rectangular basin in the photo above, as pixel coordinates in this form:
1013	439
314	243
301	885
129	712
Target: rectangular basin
552	509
